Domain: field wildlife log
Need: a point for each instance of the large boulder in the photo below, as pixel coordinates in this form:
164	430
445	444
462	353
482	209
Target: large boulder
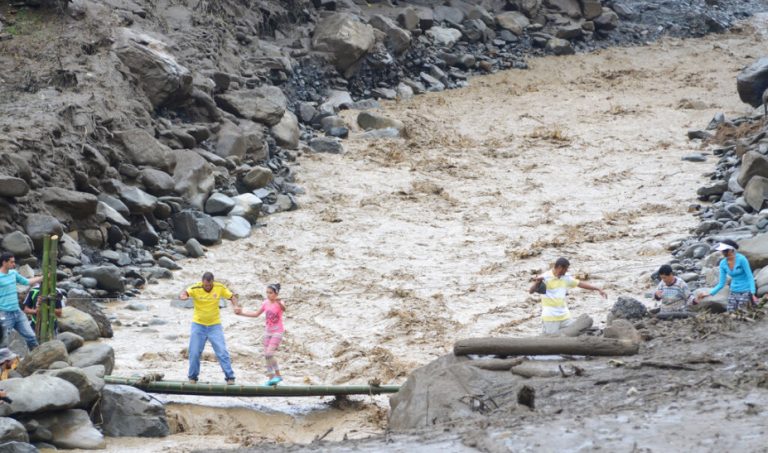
344	38
570	8
10	186
127	411
94	354
38	393
108	277
234	227
435	393
158	74
138	201
528	7
230	141
513	21
193	176
157	182
444	36
752	164
111	215
143	149
752	81
114	203
370	120
38	226
72	429
18	447
326	145
77	204
608	20
88	384
265	104
79	323
189	224
68	246
627	308
83	301
286	132
219	204
12	431
71	341
591	9
756	192
257	177
43	356
755	249
17	243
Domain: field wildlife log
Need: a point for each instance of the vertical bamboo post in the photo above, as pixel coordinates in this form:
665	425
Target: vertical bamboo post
53	295
39	318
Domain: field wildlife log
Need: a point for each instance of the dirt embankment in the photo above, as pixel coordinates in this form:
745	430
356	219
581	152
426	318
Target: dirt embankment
432	238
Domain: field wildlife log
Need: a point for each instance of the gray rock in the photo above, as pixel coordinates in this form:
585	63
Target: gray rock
756	250
127	411
752	81
143	149
570	8
114	203
432	83
756	192
608	20
11	431
761	277
71	340
94	354
335	100
194	249
109	277
135	306
369	120
159	75
111	215
384	93
18	447
219	204
230	140
38	393
17	243
43	356
89	385
194	178
513	21
168	263
38	226
591	9
77	204
570	31
193	224
752	164
628	308
478	12
718	188
138	201
257	177
265	104
326	145
694	157
449	14
157	182
68	246
708	226
248	206
404	91
444	37
11	186
560	47
286	132
307	111
398	40
340	132
79	323
235	228
409	18
527	7
331	121
72	429
82	300
344	38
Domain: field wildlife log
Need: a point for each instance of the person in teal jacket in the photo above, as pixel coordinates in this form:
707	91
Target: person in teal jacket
736	266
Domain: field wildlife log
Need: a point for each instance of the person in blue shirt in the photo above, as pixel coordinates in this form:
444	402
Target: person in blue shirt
10	312
736	266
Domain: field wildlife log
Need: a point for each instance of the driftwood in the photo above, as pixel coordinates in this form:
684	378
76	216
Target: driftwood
590	346
579	325
670	315
496	364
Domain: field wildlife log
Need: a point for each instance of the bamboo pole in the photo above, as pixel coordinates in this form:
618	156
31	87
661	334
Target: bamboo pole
216	389
40	319
590	346
50	303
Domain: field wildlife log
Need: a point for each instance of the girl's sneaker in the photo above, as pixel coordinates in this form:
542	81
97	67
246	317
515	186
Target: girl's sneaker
274	381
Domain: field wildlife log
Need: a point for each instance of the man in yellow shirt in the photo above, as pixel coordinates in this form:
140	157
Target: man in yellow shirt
554	286
206	325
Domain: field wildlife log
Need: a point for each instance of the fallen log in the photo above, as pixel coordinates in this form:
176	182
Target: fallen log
591	346
670	315
496	364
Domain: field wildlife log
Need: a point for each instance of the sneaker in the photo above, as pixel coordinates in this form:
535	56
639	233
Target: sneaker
275	380
231	381
193	381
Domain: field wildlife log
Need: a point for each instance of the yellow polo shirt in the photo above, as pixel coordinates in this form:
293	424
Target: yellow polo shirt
207	303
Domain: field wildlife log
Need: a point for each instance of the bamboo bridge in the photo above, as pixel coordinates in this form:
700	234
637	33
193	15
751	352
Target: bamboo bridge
221	389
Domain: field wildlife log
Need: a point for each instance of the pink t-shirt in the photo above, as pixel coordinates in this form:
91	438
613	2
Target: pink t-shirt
274	314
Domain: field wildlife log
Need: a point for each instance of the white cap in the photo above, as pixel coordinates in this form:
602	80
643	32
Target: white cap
721	246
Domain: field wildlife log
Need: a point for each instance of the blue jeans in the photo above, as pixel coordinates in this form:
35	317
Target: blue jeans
17	320
197	338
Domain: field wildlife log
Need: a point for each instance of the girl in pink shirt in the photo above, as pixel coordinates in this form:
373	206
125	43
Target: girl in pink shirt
273	309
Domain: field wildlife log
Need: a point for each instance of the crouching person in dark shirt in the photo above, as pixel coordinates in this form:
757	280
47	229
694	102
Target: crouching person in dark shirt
32	303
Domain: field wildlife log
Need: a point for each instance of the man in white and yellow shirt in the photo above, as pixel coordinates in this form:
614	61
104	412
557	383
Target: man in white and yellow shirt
206	325
554	287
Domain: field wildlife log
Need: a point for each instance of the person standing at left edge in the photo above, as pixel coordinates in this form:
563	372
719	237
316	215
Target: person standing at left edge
206	325
12	316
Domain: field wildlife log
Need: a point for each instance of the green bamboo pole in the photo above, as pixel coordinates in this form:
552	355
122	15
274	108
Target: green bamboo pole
215	389
39	318
50	313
